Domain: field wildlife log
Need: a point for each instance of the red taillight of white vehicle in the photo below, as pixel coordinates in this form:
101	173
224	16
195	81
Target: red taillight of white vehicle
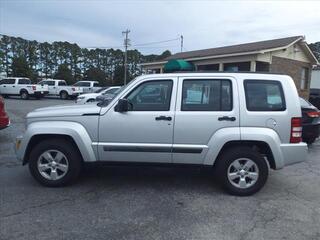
296	130
313	114
34	88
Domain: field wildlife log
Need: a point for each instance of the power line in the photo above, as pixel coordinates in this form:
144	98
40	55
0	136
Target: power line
151	43
137	45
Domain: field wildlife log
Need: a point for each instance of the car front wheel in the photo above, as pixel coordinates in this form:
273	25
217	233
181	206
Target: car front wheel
55	162
242	171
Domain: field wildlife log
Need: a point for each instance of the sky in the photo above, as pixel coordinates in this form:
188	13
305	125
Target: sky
203	24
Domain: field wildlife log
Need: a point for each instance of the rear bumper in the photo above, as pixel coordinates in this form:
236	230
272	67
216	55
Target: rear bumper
293	153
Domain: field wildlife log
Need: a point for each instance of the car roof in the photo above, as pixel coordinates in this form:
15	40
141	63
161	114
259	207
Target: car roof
243	75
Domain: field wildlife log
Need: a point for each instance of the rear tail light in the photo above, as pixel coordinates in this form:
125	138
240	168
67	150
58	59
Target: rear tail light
296	130
34	88
313	114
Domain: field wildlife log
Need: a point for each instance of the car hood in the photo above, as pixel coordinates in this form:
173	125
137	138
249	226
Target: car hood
89	95
65	110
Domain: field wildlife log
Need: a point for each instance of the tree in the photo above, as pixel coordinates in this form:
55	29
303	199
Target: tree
20	68
96	74
64	73
164	55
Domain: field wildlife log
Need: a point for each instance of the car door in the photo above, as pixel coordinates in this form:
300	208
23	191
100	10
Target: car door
204	106
144	133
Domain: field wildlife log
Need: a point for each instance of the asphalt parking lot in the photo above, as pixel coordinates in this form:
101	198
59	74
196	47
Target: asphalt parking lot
152	203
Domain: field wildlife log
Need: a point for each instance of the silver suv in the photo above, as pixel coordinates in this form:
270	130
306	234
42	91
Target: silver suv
239	124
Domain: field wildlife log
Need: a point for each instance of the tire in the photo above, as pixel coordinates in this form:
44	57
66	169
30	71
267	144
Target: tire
64	95
24	95
252	178
55	173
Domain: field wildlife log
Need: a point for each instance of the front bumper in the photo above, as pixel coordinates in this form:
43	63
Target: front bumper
294	153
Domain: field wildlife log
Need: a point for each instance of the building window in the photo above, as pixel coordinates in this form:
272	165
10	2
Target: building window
304	78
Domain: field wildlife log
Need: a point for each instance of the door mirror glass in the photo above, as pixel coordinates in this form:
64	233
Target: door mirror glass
122	106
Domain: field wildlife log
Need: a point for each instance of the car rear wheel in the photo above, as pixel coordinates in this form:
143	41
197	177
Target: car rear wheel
55	162
242	171
24	95
63	95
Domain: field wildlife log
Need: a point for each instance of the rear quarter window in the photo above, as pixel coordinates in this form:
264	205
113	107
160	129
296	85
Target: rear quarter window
264	95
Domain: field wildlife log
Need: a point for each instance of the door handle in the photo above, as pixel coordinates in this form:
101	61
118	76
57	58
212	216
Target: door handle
163	118
226	118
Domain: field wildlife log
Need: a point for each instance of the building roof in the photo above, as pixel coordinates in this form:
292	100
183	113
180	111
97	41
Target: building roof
240	48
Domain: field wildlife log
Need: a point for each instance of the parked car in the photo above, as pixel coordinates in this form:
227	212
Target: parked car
91	97
109	95
88	86
4	118
22	87
60	88
239	124
315	97
310	121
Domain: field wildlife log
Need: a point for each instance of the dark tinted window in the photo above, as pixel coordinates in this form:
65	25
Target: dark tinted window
49	83
264	95
206	95
62	83
151	96
24	81
96	84
8	81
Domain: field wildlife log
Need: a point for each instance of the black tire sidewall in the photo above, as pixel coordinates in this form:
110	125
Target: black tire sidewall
71	153
63	95
26	95
242	152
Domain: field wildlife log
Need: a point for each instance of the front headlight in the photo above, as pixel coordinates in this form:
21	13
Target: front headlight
80	98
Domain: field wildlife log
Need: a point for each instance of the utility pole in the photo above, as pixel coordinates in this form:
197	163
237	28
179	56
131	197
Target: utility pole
181	43
126	45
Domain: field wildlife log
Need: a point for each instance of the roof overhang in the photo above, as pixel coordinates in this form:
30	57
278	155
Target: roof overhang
304	45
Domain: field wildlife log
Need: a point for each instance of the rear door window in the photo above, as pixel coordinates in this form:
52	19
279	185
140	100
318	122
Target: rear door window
206	95
62	83
24	81
262	95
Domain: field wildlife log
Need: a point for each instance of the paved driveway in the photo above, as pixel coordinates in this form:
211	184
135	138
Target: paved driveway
152	203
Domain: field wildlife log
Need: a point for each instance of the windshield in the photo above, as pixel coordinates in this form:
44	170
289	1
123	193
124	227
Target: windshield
100	90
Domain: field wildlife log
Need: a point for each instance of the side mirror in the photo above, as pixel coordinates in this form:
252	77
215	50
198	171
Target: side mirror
122	106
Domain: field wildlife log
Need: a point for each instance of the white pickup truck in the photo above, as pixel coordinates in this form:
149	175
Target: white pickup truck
16	86
88	86
58	87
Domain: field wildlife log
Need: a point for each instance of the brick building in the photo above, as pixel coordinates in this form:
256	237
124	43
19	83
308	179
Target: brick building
290	56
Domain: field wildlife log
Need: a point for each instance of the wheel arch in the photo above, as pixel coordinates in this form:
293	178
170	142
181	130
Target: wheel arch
71	131
41	137
260	146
